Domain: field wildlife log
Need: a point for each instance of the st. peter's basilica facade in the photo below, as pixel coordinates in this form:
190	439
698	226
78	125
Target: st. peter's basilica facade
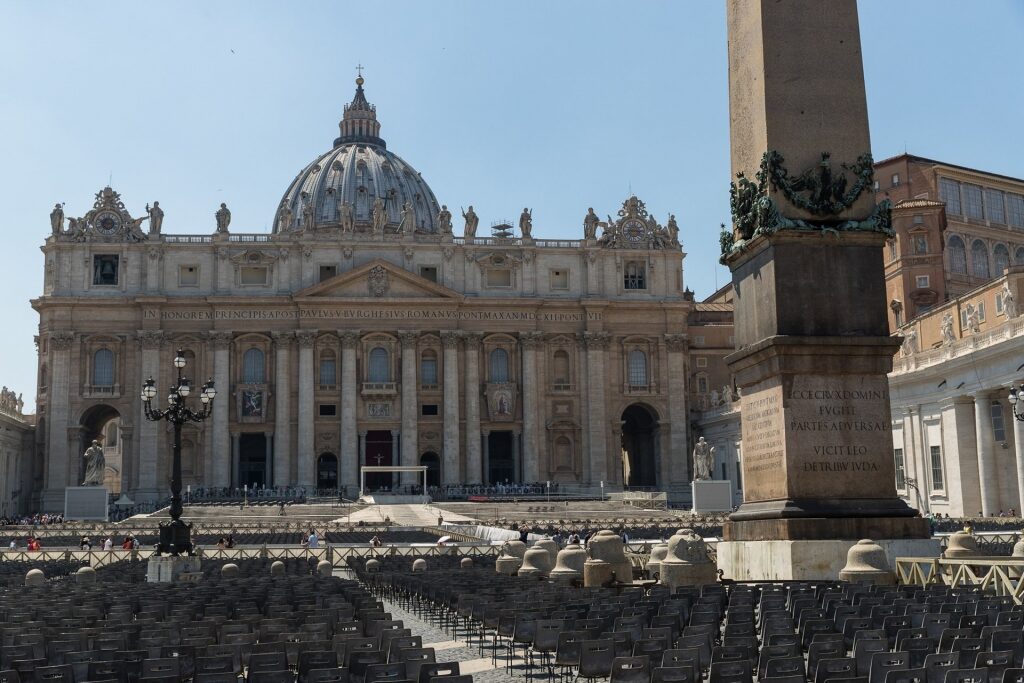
363	331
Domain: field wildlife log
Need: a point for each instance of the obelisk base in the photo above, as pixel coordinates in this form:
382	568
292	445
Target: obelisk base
826	529
782	560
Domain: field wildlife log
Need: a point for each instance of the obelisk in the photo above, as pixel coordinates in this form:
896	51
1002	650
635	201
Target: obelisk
812	340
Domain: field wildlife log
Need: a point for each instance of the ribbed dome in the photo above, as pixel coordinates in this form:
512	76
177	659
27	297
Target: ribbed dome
358	170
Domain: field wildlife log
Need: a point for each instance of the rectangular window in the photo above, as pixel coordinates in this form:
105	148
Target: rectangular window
895	179
973	207
981	311
922	282
994	206
901	469
702	362
328	409
327	272
428	371
188	276
699	340
999	304
428	409
1015	209
328	372
104	269
560	279
938	483
918	219
998	426
429	273
636	275
920	244
949	192
702	384
252	275
892	250
499	277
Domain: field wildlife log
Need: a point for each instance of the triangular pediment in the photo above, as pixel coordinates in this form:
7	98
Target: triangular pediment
378	279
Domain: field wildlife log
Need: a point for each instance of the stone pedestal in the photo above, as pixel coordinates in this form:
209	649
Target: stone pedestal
173	569
787	560
86	503
711	495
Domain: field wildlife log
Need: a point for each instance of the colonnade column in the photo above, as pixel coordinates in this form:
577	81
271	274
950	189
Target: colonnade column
222	453
305	455
474	471
451	472
986	465
57	415
675	468
1018	440
149	439
530	342
597	430
282	409
348	472
410	408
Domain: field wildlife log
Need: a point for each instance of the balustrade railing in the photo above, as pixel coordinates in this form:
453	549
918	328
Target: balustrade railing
1000	576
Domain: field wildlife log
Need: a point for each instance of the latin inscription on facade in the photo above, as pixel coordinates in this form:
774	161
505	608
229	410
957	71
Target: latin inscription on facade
371	313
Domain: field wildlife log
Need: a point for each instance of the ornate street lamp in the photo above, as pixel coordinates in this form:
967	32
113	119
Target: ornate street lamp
1016	399
175	536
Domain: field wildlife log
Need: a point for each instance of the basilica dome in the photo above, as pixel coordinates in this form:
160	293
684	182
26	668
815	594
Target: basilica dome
347	180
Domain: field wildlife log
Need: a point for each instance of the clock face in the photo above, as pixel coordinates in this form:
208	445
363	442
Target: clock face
634	231
107	223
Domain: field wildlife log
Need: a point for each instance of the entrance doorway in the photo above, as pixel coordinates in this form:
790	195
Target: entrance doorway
327	471
432	462
252	460
103	423
639	447
378	453
501	461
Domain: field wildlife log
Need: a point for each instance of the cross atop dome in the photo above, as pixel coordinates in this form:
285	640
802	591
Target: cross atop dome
359	122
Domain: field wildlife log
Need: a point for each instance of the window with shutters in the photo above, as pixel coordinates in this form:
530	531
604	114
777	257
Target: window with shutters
498	366
253	367
103	368
380	365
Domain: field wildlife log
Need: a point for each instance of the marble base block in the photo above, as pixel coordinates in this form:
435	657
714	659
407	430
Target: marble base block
711	495
86	503
173	569
806	560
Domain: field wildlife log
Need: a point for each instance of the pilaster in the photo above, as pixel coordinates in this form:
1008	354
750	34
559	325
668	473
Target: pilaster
348	473
222	451
410	407
306	458
530	342
474	471
282	408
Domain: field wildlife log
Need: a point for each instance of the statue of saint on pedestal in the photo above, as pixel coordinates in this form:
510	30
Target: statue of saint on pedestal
347	216
57	219
156	218
590	222
703	460
444	220
526	223
472	220
95	464
223	216
379	216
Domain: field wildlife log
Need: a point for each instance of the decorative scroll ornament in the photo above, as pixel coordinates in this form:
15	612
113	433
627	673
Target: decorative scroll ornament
107	221
634	229
377	280
822	191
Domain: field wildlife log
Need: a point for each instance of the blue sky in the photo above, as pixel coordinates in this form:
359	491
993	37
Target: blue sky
556	106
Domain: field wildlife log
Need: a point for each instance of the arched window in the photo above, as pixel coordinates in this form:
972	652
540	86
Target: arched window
1018	257
380	365
637	368
428	368
957	256
499	366
1001	259
328	368
103	368
561	367
253	370
979	259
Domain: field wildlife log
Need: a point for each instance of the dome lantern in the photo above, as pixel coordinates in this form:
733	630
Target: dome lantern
359	122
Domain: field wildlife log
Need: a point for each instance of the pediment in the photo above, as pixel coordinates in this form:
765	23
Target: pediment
377	279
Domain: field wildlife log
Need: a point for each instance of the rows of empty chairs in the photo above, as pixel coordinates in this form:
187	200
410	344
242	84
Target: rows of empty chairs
255	628
775	633
148	537
12	572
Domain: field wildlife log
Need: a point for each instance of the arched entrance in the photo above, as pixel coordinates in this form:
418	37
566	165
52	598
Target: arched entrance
432	461
327	471
102	423
379	448
639	446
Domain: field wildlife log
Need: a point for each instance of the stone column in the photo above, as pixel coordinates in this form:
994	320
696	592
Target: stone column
451	470
474	471
597	421
530	342
1018	441
58	417
282	409
410	405
675	468
305	455
150	481
986	455
348	473
222	452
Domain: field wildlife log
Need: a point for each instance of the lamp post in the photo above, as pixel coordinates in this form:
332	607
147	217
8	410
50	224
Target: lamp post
175	536
1016	399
